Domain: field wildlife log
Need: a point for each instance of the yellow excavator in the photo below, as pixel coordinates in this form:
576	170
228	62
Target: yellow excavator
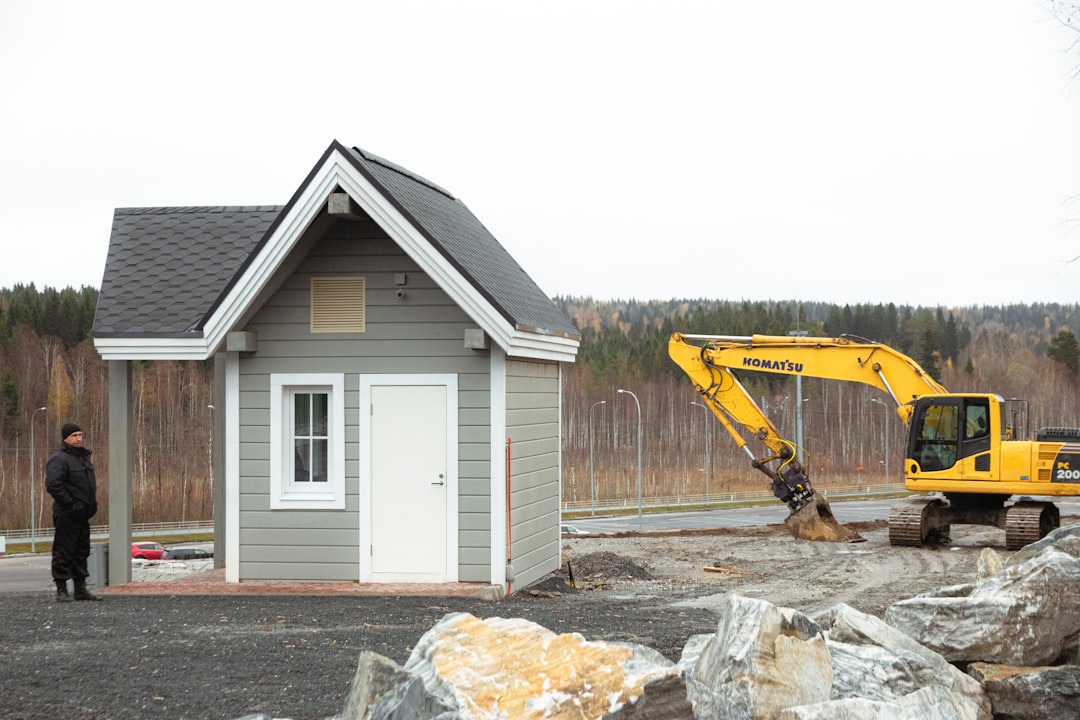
960	446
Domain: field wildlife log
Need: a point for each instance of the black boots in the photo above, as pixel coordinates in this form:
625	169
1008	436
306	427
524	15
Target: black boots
81	593
61	592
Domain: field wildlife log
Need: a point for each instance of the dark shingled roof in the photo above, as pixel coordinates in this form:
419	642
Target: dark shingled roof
168	267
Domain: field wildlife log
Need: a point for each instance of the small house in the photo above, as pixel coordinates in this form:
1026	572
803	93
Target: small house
387	379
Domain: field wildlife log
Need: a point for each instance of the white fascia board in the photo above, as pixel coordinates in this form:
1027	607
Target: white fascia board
274	253
151	348
536	346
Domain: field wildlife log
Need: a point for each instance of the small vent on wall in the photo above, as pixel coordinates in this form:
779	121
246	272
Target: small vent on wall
338	304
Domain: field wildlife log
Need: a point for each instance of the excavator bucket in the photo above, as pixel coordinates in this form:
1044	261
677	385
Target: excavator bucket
815	521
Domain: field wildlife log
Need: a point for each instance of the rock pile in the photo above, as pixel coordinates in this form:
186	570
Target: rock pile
1004	647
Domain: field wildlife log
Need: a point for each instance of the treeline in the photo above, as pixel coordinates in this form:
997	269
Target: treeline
628	339
47	360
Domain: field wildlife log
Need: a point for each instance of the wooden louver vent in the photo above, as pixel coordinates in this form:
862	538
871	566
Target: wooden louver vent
338	304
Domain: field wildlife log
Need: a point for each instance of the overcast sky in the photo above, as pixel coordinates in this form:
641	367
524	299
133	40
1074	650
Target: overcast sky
924	153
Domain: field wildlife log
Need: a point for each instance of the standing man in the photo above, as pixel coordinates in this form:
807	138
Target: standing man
69	478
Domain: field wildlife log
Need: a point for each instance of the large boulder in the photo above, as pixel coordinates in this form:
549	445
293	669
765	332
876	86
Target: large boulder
382	689
1026	614
761	660
931	703
1031	693
514	668
874	662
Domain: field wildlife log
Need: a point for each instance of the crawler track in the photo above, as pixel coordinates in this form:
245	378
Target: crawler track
1026	522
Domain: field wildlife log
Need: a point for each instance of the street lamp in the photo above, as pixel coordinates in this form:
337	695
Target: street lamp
592	479
33	482
799	452
708	412
886	406
638	404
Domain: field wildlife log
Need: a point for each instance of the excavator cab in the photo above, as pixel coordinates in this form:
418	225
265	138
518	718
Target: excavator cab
948	428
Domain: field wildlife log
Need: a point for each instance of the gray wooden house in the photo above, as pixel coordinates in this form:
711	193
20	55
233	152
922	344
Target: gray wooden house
388	395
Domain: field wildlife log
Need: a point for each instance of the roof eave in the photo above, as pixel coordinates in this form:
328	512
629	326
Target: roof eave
144	347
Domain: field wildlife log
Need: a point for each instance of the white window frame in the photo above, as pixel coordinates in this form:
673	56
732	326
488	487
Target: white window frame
284	494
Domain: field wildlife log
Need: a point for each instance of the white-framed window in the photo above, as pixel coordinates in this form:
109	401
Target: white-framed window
307	441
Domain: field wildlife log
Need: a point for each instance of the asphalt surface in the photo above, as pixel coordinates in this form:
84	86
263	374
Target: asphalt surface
194	657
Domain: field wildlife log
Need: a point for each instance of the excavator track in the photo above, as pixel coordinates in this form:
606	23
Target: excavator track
1027	521
910	521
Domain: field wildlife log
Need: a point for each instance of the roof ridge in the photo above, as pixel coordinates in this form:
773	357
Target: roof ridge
372	157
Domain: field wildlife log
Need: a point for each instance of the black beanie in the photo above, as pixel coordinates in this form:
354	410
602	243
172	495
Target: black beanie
68	429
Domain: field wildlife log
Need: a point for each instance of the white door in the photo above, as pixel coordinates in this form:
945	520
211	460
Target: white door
412	518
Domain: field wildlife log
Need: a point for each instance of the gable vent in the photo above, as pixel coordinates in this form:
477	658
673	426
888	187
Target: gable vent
338	304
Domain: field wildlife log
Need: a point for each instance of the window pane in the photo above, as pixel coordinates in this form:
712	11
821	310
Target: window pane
302	451
319	460
320	414
301	414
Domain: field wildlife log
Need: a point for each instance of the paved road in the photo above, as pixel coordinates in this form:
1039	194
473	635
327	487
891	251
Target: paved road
845	512
30	573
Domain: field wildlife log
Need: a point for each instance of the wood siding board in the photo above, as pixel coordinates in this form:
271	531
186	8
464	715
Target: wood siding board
475	521
476	504
300	572
285	554
540	447
535	416
474	556
523	467
531	401
292	519
533	433
473	538
303	536
528	497
476	470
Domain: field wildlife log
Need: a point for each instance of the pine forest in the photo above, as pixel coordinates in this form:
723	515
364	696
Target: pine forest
50	374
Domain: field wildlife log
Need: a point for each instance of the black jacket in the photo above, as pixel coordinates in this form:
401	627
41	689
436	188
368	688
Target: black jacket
69	478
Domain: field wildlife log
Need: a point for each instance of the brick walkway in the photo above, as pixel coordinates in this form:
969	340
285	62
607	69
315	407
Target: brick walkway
213	582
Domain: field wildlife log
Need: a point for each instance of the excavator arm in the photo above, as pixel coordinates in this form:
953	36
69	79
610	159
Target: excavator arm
734	408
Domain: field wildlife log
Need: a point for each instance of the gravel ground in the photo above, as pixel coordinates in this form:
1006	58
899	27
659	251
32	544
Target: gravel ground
293	657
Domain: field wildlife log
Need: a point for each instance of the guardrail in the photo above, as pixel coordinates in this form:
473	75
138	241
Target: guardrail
179	527
723	498
192	527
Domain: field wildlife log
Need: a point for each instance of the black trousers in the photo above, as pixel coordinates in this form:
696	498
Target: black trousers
71	547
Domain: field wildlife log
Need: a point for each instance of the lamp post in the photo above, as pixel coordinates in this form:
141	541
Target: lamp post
592	479
886	407
638	404
708	412
33	482
800	454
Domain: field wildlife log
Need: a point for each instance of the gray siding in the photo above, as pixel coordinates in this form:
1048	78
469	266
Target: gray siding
532	422
424	333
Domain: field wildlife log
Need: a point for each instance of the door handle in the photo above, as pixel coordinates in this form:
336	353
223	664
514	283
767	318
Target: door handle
441	480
